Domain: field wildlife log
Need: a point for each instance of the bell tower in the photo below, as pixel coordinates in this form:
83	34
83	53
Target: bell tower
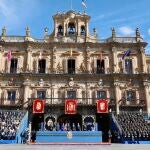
71	27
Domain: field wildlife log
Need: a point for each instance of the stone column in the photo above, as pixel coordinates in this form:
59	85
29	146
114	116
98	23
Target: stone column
55	28
143	60
78	28
64	28
29	61
26	91
87	60
117	95
0	96
87	28
147	96
53	61
1	57
115	60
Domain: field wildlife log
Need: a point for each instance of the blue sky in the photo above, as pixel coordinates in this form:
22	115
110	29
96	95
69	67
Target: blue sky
124	15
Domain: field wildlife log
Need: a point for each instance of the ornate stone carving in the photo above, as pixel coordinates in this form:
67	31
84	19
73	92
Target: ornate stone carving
100	82
71	82
41	82
82	67
59	68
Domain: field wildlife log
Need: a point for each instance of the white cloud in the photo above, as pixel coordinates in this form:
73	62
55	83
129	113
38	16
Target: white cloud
126	31
148	31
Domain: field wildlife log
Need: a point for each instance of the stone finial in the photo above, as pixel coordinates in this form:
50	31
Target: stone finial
113	32
95	31
4	31
138	32
45	31
27	31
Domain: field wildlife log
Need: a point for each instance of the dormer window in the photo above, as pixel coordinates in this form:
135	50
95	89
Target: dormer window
60	30
71	29
83	30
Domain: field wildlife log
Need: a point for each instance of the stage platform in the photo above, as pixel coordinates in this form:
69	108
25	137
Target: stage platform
68	137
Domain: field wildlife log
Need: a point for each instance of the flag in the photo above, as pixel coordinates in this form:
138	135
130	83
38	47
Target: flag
102	106
84	3
9	55
70	106
38	106
126	53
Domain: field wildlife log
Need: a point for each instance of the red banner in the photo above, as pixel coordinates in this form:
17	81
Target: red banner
102	106
70	106
38	106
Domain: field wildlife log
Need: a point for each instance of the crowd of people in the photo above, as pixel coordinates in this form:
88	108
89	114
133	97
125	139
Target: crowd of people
133	126
9	123
50	125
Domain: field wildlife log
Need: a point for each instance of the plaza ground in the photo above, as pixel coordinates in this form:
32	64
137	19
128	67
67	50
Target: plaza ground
75	147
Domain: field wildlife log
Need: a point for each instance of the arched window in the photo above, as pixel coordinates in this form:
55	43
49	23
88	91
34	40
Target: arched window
60	30
83	30
71	29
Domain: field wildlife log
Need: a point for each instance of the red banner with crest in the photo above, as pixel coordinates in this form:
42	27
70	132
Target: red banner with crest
70	106
102	106
38	106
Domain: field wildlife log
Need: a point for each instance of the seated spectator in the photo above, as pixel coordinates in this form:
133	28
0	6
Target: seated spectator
9	123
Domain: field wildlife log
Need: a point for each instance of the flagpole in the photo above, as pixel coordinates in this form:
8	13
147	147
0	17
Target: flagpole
84	6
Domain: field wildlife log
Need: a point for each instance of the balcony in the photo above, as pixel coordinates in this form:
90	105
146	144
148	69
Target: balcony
6	102
132	103
61	101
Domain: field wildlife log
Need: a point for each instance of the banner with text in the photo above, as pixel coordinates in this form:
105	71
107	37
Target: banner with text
70	106
102	106
38	106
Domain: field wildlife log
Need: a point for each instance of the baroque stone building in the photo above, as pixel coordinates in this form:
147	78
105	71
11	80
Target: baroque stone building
72	63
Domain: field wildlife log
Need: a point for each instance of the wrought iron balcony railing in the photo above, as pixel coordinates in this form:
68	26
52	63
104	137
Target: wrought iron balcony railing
7	102
132	103
61	101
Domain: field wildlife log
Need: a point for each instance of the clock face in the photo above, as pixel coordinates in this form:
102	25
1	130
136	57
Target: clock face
71	83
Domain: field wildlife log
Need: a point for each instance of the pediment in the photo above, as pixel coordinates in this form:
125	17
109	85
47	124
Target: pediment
71	53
